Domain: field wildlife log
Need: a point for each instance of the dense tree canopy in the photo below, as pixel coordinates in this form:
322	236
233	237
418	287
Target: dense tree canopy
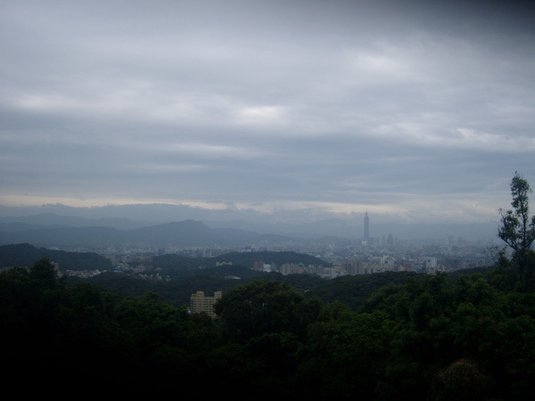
421	338
264	307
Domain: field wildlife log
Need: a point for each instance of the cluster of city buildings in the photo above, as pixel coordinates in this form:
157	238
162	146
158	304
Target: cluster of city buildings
366	265
364	255
367	255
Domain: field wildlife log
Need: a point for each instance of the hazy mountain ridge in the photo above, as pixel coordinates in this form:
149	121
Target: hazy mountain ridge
187	233
296	224
59	220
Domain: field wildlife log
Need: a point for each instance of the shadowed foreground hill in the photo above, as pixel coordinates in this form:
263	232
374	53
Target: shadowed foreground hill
428	338
21	255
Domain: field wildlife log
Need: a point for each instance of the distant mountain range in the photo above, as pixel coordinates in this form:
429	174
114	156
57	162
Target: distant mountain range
58	220
188	233
303	224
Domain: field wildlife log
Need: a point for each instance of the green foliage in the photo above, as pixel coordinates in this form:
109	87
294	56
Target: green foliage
518	231
353	348
44	273
265	307
436	337
179	288
462	380
354	290
25	254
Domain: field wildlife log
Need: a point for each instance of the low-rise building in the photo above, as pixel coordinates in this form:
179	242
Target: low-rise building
200	303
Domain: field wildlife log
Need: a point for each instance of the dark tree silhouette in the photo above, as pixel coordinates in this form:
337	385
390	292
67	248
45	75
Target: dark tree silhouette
517	229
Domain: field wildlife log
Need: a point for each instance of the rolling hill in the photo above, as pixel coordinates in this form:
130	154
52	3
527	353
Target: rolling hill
25	255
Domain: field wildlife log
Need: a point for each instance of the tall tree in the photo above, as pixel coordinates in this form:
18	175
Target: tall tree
517	230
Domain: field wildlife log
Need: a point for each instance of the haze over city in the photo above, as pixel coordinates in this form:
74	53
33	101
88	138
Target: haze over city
416	111
268	199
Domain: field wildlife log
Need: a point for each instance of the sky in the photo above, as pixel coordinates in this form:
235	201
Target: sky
414	110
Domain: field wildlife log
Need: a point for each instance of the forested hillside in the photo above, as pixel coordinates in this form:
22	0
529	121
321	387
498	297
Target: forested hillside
427	338
20	255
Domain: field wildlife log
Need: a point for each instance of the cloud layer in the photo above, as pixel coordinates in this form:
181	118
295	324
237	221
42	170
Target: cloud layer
422	112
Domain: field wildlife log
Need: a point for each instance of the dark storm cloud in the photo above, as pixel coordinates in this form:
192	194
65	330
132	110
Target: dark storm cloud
413	108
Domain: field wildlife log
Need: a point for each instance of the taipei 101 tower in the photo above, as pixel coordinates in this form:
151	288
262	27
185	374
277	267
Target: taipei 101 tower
366	228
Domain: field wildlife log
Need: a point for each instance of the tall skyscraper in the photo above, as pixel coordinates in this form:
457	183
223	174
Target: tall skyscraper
366	227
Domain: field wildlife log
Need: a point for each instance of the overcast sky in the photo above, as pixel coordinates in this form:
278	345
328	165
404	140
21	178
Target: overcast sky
418	111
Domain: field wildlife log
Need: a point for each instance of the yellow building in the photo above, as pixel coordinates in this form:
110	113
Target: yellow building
200	303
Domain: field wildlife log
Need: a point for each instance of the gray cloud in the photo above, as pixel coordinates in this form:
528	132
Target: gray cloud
423	111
